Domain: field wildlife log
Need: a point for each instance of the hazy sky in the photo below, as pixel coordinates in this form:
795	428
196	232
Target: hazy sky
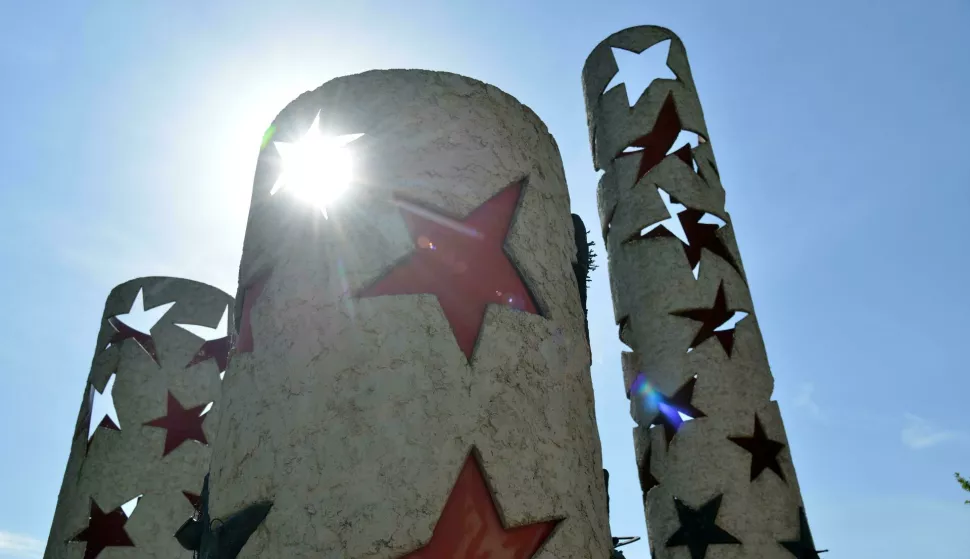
130	135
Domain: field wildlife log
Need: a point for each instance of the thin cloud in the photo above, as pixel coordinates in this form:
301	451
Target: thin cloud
805	399
20	546
919	433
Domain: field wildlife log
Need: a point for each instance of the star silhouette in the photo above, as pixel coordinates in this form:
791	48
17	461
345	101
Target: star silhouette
216	345
711	319
104	530
102	400
656	144
698	529
647	479
244	344
470	528
463	263
136	323
669	409
636	68
804	546
764	451
181	424
699	236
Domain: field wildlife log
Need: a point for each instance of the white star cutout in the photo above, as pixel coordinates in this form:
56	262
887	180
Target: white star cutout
318	168
206	333
639	70
102	405
143	320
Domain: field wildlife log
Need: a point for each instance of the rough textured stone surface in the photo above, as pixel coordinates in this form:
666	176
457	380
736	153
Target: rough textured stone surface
355	415
652	282
117	466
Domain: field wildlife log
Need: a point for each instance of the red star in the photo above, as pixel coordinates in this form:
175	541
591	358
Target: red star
104	530
217	349
463	263
656	144
124	332
106	423
699	236
712	318
182	424
194	500
245	342
470	528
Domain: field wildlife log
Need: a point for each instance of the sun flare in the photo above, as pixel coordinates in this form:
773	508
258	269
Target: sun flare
318	168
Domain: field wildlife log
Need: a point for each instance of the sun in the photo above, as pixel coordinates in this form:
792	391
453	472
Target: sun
318	168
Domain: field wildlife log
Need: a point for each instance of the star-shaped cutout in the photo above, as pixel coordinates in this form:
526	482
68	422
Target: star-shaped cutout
104	530
137	324
463	263
317	168
804	546
245	344
216	345
764	451
699	236
181	424
671	410
639	70
102	402
654	146
647	480
714	322
698	528
470	528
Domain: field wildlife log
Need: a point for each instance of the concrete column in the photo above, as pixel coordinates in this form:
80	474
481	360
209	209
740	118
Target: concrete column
411	376
723	483
156	455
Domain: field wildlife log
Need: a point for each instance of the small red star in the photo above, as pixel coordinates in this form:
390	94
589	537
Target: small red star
194	500
106	423
713	318
245	342
470	528
656	144
463	263
181	424
104	530
217	349
124	332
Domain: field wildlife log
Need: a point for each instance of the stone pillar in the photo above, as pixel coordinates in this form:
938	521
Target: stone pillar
723	481
156	454
411	376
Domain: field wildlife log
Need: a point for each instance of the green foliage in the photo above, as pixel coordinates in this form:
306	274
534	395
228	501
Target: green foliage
964	483
590	259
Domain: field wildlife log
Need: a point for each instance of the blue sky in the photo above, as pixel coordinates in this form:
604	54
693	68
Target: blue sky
130	133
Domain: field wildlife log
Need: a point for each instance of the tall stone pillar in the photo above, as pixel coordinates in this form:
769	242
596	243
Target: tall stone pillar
411	375
723	483
156	455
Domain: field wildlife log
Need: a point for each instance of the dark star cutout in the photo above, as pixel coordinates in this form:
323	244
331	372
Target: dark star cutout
669	406
470	528
647	479
463	263
698	529
764	451
106	423
804	546
217	349
181	424
712	318
124	332
656	144
699	236
104	530
244	344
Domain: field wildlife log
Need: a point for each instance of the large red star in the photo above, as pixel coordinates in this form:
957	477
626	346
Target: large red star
463	263
181	424
655	145
104	530
470	528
